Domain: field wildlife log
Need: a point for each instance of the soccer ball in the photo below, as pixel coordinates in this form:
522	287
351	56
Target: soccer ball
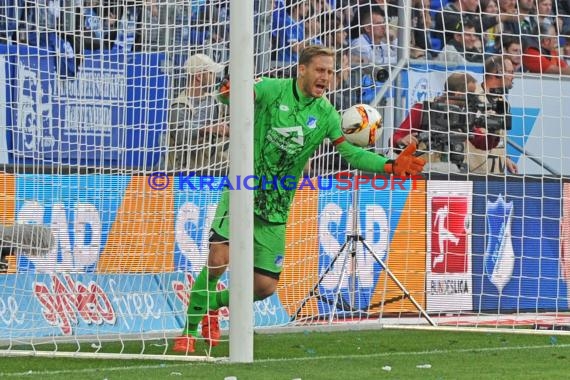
361	125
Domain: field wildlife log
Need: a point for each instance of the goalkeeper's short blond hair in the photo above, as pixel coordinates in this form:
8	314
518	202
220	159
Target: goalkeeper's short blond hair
312	51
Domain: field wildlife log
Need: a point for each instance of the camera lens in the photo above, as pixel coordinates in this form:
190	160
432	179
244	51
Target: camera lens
382	75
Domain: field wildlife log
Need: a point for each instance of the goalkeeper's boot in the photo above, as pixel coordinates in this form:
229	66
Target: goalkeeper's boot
185	344
211	328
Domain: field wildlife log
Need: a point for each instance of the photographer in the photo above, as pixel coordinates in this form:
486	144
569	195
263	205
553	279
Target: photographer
488	155
439	128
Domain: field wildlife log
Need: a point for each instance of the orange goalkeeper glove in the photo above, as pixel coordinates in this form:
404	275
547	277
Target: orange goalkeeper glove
406	163
224	89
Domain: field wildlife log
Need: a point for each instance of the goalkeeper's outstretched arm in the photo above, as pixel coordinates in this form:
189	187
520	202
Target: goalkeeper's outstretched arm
405	164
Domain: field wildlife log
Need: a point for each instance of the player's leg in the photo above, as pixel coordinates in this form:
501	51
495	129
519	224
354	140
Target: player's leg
203	298
218	261
269	255
269	245
203	295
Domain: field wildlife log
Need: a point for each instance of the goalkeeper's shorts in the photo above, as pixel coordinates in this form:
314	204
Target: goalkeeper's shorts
268	239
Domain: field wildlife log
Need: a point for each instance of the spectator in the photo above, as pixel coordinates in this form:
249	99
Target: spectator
198	130
319	7
416	127
127	27
562	9
263	37
508	11
288	30
454	14
528	22
42	26
371	47
463	48
92	20
566	51
490	8
486	147
11	12
421	45
151	29
363	7
342	91
41	18
544	57
312	31
98	25
335	34
545	15
512	50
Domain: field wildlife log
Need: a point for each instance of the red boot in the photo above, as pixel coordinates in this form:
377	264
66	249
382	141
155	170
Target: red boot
211	328
184	344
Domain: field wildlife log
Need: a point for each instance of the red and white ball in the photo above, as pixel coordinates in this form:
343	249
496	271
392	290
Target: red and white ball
361	125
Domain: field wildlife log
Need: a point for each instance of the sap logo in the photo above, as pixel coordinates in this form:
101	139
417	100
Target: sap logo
376	230
449	226
192	232
77	248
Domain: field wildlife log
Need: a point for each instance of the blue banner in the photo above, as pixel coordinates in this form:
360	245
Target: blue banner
110	113
83	304
516	245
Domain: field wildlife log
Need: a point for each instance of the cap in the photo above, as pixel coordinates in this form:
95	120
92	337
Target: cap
199	63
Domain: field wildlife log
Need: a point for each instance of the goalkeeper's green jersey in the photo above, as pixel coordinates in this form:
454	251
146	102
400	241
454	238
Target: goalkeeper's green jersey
289	127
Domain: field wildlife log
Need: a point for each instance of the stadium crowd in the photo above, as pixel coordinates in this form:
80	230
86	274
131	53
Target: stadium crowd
452	31
531	35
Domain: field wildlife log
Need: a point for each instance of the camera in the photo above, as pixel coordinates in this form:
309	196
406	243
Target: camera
445	127
494	115
381	74
377	73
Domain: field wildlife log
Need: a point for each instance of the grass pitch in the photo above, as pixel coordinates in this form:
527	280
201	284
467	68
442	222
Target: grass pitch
397	354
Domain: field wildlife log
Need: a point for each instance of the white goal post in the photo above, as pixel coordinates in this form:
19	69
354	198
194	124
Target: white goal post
114	140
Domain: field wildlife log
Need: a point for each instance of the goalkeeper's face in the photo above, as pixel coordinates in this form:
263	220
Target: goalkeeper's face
315	77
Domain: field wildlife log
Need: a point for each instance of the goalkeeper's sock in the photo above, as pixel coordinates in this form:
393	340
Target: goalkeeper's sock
198	305
222	298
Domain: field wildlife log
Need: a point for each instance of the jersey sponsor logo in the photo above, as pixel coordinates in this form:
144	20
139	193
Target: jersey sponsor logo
449	221
294	134
312	122
283	107
499	256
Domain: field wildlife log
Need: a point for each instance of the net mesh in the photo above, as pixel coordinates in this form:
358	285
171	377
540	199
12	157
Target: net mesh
114	139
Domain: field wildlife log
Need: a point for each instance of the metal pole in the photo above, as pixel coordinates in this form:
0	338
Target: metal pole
404	38
241	201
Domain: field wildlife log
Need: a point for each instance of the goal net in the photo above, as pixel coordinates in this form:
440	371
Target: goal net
114	140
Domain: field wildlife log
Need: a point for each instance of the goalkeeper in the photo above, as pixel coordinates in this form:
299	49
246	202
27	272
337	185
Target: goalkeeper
292	117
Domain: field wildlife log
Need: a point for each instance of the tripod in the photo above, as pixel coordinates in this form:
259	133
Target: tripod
349	250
